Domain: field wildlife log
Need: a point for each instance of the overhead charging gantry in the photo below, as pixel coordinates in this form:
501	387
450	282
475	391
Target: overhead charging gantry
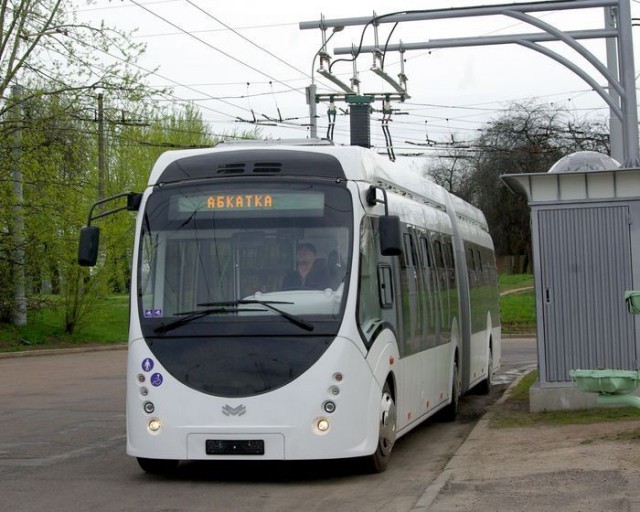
619	92
360	104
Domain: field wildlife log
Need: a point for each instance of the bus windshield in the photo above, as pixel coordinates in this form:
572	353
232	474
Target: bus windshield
245	258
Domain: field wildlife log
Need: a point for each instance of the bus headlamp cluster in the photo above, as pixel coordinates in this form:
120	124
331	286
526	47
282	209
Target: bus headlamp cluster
322	424
148	407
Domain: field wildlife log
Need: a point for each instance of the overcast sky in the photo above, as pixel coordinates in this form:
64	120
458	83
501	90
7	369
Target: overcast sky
233	58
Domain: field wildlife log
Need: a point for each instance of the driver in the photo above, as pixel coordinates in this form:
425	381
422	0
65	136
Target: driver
310	272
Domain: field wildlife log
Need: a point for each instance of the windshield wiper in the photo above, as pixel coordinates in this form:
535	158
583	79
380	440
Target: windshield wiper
296	320
189	316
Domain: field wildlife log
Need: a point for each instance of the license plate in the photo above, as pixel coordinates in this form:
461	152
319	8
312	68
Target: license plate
229	447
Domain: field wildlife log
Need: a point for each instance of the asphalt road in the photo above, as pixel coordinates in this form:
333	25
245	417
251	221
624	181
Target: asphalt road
62	447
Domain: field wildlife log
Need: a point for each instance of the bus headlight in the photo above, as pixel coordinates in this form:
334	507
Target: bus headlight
149	407
321	425
154	425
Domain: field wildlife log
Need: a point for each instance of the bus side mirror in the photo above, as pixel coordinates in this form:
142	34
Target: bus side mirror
390	237
88	248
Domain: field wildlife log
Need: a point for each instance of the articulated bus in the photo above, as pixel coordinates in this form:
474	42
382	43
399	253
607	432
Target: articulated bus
231	359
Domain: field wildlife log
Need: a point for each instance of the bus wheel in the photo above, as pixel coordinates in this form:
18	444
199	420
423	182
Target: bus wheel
387	434
157	466
484	388
450	412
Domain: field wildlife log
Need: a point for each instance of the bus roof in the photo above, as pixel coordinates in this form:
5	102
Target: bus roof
359	164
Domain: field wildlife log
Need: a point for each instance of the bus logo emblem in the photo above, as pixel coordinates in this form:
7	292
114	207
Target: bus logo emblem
227	410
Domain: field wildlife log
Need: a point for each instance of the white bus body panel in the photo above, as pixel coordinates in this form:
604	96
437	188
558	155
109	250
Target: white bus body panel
283	418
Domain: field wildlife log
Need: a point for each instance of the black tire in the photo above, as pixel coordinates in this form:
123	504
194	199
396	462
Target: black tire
450	412
379	460
484	388
157	466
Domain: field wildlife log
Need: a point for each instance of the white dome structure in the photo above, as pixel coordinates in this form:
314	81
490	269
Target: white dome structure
584	161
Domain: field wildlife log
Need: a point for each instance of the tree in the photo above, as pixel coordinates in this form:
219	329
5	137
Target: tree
42	42
44	48
451	171
527	138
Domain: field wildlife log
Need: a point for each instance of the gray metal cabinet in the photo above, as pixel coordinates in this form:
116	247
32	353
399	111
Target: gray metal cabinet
585	267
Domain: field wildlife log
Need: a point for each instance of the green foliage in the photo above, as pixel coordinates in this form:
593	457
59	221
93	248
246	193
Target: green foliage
106	324
58	160
50	135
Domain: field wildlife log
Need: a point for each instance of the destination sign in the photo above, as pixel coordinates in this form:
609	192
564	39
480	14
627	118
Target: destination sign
227	203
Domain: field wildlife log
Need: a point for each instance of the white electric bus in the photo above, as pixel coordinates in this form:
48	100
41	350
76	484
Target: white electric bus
228	361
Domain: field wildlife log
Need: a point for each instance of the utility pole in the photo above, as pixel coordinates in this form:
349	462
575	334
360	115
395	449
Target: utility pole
19	313
102	172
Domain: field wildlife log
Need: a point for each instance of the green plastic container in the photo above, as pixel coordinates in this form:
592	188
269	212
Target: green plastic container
632	298
606	382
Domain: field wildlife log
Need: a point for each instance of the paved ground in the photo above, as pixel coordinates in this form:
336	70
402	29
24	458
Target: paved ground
585	468
571	468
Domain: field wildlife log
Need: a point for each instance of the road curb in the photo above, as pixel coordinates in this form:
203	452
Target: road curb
431	493
62	351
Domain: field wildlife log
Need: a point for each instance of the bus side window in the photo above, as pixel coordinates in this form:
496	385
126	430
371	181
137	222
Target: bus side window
369	304
409	258
437	248
427	252
385	286
451	261
418	258
471	264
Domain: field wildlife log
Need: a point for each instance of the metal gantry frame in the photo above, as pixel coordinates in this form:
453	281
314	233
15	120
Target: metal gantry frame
620	94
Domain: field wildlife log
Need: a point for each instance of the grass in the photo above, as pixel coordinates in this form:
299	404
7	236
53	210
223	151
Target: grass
515	281
514	412
45	327
517	304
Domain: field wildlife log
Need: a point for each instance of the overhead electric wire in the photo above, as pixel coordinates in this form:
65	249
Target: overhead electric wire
123	6
248	40
169	80
235	118
206	13
220	51
235	59
210	97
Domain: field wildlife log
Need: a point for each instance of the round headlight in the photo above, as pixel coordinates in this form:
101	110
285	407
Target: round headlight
323	425
149	407
154	425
